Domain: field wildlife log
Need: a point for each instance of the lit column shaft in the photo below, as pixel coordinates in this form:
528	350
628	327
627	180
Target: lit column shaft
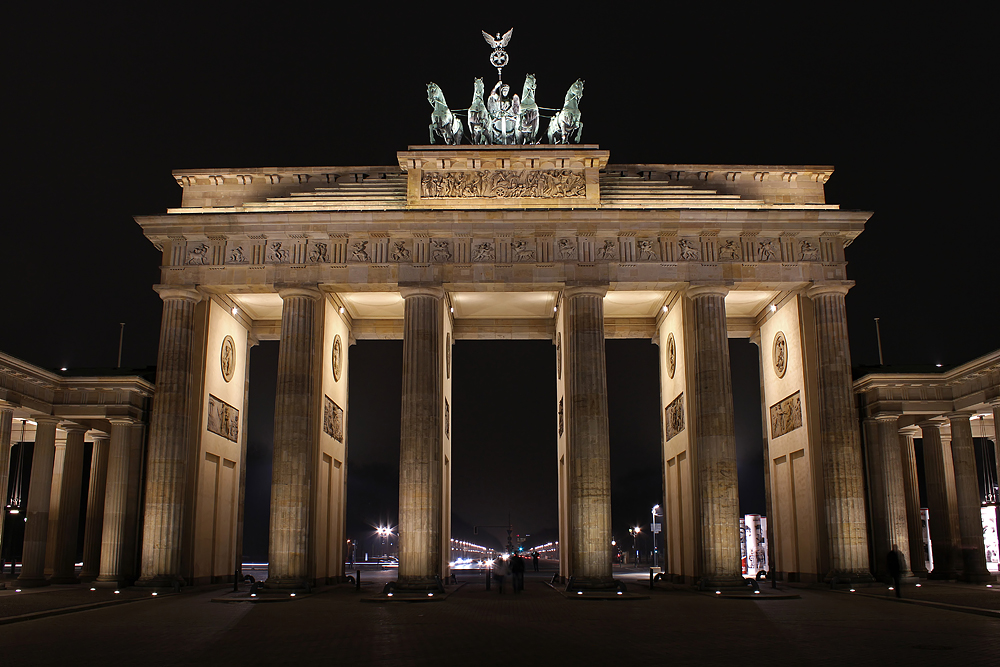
420	449
970	522
942	530
95	509
887	498
169	446
6	422
295	434
67	525
113	554
36	529
714	437
911	490
587	438
840	451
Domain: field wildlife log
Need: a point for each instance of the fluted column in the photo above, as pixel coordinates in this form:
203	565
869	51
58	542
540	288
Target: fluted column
420	447
113	553
844	504
95	509
996	439
589	461
911	492
168	441
36	529
943	543
295	433
886	495
970	521
714	437
67	527
6	420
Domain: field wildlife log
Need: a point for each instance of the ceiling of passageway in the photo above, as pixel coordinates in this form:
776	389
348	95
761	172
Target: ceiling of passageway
505	305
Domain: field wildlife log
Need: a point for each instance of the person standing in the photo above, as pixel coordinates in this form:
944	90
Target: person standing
517	568
534	560
894	565
500	572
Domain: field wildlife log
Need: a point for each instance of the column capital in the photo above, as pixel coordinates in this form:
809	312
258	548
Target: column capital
959	414
887	416
930	423
910	431
289	290
576	290
706	289
98	435
7	405
173	292
995	403
121	421
73	427
417	289
45	419
832	287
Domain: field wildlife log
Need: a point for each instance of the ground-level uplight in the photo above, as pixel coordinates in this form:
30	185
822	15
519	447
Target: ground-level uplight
93	589
117	592
852	590
430	595
390	594
293	595
619	592
718	592
154	594
892	588
918	585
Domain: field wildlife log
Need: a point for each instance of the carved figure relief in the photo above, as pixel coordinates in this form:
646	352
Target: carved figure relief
766	250
786	415
522	253
333	420
198	254
674	417
447	356
558	355
688	250
447	419
399	252
561	422
227	358
503	184
808	252
484	252
647	251
276	254
360	251
237	256
567	249
338	357
319	254
671	356
608	251
441	251
779	354
223	419
731	250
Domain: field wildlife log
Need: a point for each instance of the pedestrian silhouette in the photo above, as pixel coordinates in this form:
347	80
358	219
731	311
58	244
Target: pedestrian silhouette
534	560
500	572
894	565
517	569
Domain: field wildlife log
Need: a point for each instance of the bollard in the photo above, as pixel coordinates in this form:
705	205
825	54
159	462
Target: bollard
488	577
357	581
236	581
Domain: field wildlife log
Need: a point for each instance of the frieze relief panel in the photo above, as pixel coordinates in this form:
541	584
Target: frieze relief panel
503	184
223	419
333	419
786	415
674	417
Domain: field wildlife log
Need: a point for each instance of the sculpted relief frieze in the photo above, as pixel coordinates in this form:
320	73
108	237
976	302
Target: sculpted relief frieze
503	184
786	415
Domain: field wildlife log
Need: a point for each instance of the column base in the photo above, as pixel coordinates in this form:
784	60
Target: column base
977	577
32	582
286	584
940	574
592	584
419	585
64	580
725	583
170	582
850	577
87	578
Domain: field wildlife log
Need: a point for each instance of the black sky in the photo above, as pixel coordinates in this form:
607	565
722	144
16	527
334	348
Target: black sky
103	103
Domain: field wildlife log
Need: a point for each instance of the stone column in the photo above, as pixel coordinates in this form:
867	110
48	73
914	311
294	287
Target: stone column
295	434
587	438
169	448
887	497
996	442
95	509
970	521
942	532
844	503
911	492
67	528
113	553
6	420
421	443
714	438
36	529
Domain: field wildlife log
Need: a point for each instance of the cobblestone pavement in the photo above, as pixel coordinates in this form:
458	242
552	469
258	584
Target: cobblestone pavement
484	628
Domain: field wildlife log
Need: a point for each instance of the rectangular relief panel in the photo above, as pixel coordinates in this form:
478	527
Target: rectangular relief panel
675	417
223	419
786	415
333	420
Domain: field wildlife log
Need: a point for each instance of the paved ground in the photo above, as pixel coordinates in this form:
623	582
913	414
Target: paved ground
477	627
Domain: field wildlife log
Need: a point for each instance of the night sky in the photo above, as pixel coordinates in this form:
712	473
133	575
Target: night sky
103	104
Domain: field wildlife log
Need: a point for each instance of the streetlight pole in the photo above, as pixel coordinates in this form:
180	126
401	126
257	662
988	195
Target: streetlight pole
652	529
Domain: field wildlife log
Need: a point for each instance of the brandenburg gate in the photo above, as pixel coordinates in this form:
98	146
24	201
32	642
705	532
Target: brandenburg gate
459	242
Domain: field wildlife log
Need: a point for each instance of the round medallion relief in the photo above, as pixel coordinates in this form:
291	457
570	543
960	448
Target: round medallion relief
671	355
779	353
338	357
227	358
447	356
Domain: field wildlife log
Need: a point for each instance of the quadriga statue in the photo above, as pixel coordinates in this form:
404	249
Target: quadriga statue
444	124
479	117
527	126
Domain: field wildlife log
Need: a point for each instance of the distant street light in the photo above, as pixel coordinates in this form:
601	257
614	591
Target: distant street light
653	528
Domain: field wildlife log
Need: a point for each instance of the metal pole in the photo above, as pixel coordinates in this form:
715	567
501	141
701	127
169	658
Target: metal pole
878	337
121	339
